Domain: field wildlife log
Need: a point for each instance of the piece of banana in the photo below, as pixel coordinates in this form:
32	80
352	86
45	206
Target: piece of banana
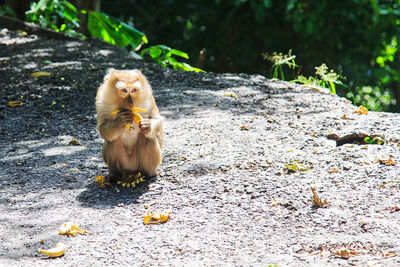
55	252
102	182
69	228
136	116
156	217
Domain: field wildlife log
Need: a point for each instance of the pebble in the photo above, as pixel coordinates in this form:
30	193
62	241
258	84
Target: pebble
297	248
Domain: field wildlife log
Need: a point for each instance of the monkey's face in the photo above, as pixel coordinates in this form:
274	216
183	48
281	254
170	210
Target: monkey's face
128	91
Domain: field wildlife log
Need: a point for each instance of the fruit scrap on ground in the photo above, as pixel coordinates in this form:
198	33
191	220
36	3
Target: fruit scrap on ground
55	252
136	116
156	217
40	74
231	94
102	182
131	180
71	229
14	104
316	200
296	166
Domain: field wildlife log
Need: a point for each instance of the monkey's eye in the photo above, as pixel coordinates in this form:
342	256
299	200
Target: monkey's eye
125	91
134	90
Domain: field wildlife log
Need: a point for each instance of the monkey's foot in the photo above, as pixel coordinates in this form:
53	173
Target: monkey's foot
130	180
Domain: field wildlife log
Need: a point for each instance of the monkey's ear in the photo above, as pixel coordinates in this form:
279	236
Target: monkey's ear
108	74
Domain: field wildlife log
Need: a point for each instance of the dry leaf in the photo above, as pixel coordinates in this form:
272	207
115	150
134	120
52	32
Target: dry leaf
71	229
14	104
316	201
389	162
24	33
344	117
332	170
344	253
40	74
361	110
390	254
244	128
395	208
156	217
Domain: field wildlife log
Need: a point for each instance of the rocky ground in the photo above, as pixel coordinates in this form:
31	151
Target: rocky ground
241	154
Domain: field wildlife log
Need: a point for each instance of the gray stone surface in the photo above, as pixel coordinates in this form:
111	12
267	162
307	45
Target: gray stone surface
233	200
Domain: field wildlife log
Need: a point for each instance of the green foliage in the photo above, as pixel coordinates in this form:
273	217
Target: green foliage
114	31
6	10
325	77
280	60
59	15
117	32
351	37
163	55
376	140
373	98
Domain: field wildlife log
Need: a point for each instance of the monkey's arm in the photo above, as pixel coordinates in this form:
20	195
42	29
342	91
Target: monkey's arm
110	129
151	127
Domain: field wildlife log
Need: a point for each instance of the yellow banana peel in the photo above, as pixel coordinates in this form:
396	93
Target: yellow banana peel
55	252
102	182
40	74
156	217
71	229
136	116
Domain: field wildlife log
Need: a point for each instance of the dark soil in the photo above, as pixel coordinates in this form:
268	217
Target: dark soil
233	200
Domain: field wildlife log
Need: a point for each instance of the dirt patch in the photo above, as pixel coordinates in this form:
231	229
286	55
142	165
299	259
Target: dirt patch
233	200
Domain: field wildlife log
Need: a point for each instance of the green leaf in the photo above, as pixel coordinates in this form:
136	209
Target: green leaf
69	6
179	53
155	52
114	31
332	87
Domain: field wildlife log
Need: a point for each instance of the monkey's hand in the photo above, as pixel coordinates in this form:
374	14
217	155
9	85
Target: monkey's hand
125	117
145	126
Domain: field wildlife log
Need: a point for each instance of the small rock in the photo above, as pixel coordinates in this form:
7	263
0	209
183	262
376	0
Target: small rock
347	166
239	190
249	190
297	248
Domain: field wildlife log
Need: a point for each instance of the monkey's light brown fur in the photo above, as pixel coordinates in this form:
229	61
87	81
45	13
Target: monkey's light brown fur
138	149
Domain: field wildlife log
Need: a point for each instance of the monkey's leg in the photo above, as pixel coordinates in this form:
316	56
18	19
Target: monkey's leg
149	156
110	156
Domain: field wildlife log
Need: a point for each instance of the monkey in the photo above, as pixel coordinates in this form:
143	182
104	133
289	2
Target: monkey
139	148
